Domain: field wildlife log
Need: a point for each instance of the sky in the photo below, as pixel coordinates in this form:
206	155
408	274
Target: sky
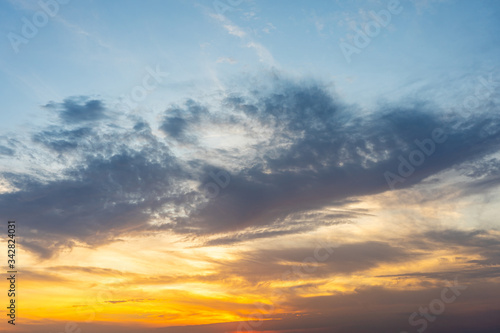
251	166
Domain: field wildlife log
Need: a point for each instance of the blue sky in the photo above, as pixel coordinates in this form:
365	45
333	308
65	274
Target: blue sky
104	48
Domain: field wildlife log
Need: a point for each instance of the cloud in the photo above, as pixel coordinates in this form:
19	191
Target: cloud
314	151
292	224
265	265
174	127
226	60
234	30
178	122
263	53
128	300
6	151
60	140
476	238
483	243
78	109
466	275
269	27
330	154
116	188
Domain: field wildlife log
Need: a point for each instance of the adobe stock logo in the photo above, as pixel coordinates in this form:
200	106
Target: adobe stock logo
363	37
211	189
29	30
140	92
416	158
436	307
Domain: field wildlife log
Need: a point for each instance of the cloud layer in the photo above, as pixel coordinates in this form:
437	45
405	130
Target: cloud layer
122	176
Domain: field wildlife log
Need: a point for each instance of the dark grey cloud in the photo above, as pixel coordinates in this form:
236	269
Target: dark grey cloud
334	153
489	167
481	243
475	238
89	270
293	224
10	147
178	122
175	127
482	185
388	310
489	258
320	152
268	233
249	235
78	109
273	264
466	275
32	274
6	151
45	245
100	201
115	189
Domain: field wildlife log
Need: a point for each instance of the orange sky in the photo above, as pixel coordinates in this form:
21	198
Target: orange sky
164	280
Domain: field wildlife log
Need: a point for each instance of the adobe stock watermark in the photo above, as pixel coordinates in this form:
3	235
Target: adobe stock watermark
436	307
309	265
150	82
30	27
221	6
482	91
416	158
370	30
221	180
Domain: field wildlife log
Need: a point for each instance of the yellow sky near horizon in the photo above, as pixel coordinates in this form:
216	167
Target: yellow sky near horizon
167	280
